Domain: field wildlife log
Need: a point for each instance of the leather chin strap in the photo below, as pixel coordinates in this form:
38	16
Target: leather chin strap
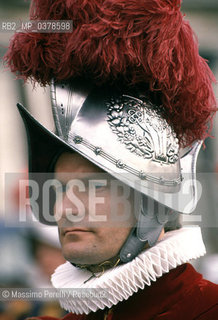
152	218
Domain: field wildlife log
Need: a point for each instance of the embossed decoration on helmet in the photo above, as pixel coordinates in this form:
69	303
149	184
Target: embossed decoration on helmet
140	126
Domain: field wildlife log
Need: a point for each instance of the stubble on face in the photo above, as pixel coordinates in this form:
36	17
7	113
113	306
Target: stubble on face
84	242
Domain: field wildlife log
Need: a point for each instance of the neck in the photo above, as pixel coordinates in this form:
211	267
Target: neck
176	248
98	269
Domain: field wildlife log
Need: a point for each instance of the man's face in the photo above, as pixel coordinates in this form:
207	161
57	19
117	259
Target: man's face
85	241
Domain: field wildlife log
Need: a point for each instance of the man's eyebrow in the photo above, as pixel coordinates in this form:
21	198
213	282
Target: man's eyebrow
83	175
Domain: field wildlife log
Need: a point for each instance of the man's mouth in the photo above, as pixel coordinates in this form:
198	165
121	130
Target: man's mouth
74	230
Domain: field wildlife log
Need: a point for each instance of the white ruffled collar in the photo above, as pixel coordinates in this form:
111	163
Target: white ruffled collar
176	247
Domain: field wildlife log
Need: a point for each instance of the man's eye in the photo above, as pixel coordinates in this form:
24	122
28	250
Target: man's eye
100	186
60	189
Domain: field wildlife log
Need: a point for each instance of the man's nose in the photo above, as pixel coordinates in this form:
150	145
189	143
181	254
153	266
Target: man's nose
71	205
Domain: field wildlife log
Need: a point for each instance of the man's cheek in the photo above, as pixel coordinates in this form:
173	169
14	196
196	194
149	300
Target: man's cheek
58	212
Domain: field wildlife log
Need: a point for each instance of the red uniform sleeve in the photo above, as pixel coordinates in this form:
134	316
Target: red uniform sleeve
210	314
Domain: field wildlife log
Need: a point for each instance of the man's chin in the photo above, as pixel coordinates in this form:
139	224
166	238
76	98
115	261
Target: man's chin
76	254
81	260
81	256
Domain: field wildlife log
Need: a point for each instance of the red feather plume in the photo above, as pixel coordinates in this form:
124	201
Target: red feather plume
144	41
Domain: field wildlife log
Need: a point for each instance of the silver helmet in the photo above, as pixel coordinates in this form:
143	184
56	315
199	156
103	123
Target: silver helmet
127	135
